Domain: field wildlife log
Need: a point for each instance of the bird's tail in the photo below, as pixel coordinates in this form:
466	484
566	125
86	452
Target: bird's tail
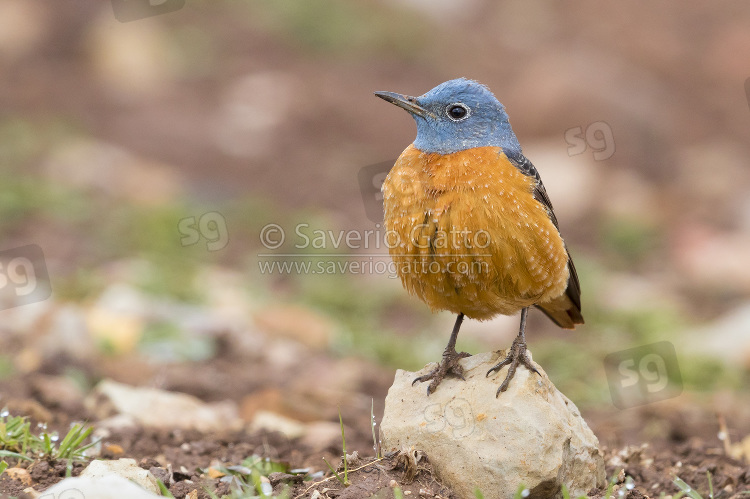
562	311
565	310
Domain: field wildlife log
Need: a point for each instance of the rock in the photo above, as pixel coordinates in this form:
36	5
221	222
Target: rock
63	333
57	391
31	493
125	468
117	319
270	421
154	408
298	323
117	423
20	474
531	434
104	487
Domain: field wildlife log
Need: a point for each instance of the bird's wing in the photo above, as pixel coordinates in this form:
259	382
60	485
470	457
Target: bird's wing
564	311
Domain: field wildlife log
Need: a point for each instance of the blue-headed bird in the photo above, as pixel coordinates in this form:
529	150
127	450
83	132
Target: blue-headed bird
469	224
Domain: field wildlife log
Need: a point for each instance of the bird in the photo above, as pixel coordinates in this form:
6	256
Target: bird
470	226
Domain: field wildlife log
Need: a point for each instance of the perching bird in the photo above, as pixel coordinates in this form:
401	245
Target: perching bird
475	230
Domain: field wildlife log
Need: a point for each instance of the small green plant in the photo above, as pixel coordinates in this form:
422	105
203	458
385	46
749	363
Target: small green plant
687	490
18	441
72	446
398	493
249	479
3	467
611	484
478	493
163	490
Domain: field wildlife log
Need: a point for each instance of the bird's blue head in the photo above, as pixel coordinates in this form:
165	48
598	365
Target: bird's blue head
457	115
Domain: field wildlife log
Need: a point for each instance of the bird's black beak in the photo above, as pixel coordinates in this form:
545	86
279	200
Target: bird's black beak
406	102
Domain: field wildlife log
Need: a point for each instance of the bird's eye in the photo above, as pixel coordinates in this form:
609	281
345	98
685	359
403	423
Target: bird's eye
457	111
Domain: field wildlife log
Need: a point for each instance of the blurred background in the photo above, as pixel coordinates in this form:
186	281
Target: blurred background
142	162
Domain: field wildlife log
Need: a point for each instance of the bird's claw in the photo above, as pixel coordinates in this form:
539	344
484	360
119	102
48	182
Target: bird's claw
517	355
449	366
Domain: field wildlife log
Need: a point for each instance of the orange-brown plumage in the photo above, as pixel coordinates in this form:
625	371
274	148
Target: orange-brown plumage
474	213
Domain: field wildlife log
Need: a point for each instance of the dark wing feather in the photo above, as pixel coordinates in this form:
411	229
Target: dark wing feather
566	310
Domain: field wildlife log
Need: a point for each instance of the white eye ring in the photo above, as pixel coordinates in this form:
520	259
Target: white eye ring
460	105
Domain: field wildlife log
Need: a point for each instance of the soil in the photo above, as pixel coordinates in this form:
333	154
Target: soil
652	444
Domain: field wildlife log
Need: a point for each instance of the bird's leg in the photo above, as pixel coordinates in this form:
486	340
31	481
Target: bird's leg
449	364
516	356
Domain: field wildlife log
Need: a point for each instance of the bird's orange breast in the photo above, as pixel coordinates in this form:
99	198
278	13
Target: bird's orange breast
467	235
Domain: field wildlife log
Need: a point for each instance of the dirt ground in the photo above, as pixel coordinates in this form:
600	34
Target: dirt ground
652	444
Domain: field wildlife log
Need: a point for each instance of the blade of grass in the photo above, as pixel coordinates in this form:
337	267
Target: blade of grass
687	489
7	453
67	441
163	490
70	447
611	484
46	444
343	440
338	477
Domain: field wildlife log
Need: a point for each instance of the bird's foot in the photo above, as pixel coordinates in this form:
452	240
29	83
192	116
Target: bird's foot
517	356
449	366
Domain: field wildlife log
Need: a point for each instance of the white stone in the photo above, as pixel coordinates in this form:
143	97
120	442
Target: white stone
156	408
125	468
103	487
531	434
